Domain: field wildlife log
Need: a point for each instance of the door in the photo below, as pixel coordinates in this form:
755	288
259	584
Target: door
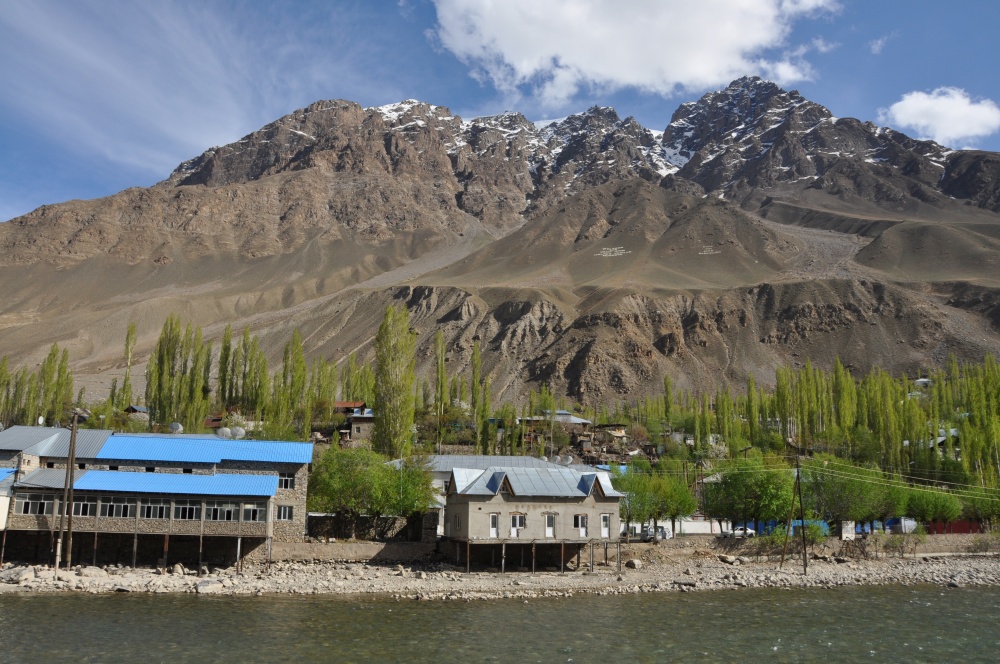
550	525
605	526
494	526
581	525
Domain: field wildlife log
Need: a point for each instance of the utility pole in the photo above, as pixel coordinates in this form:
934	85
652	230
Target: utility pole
67	501
802	514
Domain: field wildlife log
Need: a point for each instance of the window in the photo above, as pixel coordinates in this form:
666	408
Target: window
150	469
357	429
117	507
457	521
188	471
517	521
154	508
112	467
286	480
34	503
50	464
284	513
85	506
550	525
220	510
255	511
580	521
187	510
81	466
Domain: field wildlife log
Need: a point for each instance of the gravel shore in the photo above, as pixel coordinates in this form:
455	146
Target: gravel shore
679	571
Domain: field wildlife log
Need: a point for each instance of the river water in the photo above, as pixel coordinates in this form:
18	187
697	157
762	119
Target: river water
880	624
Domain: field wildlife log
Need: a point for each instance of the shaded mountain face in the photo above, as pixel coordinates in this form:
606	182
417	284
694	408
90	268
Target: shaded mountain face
589	253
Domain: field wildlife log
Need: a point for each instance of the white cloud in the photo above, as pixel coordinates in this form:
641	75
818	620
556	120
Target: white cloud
824	46
557	48
947	115
876	46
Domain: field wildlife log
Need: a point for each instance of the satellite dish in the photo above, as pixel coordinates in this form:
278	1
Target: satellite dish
224	432
176	427
544	458
568	460
556	459
41	420
239	432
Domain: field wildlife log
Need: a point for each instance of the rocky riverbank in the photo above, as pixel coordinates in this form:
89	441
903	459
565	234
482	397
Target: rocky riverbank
649	569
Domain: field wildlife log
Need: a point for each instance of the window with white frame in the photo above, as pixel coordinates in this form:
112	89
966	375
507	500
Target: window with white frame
286	480
187	510
154	508
580	523
517	521
85	506
284	513
221	510
34	503
117	507
255	511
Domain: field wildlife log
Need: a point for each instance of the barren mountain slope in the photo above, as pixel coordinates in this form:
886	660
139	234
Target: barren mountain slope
591	253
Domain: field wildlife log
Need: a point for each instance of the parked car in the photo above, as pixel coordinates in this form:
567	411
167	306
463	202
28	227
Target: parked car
739	532
647	534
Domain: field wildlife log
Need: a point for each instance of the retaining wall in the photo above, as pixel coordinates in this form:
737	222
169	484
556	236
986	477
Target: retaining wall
355	551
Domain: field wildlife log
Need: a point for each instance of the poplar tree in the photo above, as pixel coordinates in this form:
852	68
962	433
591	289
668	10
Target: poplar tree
440	386
395	364
225	357
477	394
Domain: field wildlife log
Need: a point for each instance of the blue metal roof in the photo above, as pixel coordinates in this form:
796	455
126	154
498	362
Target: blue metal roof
226	484
202	450
5	473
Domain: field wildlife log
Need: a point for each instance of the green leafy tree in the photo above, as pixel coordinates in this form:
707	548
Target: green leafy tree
753	489
394	378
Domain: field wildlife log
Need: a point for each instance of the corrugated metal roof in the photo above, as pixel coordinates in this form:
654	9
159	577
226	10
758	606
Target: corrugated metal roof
88	444
5	473
222	484
18	438
174	449
552	482
53	441
464	477
445	463
48	478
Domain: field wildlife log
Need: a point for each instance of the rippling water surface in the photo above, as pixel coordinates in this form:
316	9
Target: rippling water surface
905	624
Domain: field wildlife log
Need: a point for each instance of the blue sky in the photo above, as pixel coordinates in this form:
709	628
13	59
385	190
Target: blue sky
103	95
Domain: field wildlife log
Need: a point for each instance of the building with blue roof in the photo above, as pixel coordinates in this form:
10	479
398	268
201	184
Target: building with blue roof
153	497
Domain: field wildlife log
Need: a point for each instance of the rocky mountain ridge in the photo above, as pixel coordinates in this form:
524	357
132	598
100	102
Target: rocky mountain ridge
590	252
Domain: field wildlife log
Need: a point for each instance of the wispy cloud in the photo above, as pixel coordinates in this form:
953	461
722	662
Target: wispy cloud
149	84
877	45
556	49
947	115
